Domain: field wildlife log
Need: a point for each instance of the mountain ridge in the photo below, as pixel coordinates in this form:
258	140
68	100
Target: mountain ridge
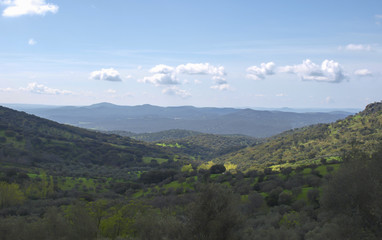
150	118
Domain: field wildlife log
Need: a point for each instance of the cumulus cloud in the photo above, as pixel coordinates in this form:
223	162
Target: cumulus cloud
161	79
378	18
32	42
363	73
176	91
221	87
111	91
219	80
258	73
220	83
329	71
329	100
200	68
16	8
161	68
162	75
42	89
106	74
167	75
356	47
7	89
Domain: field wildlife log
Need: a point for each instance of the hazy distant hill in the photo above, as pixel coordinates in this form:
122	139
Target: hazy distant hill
148	119
313	143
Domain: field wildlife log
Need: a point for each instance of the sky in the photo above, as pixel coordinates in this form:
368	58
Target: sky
276	53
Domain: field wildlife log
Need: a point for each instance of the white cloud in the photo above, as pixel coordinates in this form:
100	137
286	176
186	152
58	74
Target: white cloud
161	79
258	73
281	95
220	83
163	75
219	80
221	87
168	75
161	68
357	47
106	74
176	91
32	42
16	8
329	71
378	17
42	89
200	68
329	100
111	91
7	90
363	73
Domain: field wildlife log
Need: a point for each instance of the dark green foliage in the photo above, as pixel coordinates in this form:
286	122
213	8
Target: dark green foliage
217	169
208	146
173	134
49	142
356	190
157	176
312	144
214	215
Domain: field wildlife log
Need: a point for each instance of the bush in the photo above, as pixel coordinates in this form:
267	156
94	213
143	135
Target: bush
217	169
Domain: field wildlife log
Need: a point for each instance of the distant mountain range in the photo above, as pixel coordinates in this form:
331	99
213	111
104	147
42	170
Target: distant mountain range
150	119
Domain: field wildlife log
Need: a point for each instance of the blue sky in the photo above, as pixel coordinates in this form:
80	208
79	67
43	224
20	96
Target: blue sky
299	54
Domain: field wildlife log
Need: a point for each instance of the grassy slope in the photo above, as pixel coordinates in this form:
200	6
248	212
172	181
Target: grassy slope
311	144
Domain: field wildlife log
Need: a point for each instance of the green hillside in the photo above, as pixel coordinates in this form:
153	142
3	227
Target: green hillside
314	143
32	141
158	136
207	146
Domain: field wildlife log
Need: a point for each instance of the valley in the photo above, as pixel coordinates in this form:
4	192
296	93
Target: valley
55	172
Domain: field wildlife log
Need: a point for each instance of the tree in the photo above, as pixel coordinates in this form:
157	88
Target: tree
215	214
356	190
10	194
217	169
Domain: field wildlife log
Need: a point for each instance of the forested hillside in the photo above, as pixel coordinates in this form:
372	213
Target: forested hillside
29	140
321	142
172	134
204	147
